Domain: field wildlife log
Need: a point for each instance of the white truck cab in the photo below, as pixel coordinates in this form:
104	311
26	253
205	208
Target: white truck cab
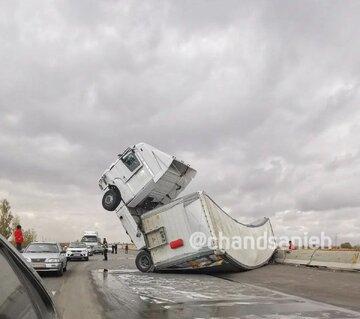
144	177
91	239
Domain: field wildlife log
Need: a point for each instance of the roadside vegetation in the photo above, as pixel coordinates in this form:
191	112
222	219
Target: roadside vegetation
8	223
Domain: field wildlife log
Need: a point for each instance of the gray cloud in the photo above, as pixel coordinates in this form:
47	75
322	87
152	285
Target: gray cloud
261	97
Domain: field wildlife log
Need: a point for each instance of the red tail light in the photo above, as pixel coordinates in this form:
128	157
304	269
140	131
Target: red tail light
176	243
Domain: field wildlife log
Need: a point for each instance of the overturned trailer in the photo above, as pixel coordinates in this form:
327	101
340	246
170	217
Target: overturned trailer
191	232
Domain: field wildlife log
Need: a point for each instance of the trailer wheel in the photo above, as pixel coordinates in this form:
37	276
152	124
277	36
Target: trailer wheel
143	261
111	199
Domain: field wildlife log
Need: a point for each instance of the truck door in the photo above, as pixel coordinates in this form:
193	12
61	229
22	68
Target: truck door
132	163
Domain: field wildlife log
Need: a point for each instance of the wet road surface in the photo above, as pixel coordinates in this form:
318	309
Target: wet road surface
130	294
87	291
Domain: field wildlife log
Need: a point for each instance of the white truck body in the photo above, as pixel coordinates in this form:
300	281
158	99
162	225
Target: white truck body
198	214
142	187
91	239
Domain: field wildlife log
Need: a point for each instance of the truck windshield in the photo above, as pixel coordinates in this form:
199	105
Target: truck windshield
130	160
89	239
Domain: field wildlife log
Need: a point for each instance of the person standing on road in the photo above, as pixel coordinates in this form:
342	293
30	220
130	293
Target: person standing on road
115	247
18	237
126	248
105	245
291	246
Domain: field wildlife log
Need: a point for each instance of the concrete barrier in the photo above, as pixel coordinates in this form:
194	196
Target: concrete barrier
349	260
298	257
334	259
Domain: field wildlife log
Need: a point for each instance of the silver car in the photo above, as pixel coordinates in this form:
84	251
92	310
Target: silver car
46	257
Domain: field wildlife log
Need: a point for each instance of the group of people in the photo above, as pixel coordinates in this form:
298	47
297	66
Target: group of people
113	249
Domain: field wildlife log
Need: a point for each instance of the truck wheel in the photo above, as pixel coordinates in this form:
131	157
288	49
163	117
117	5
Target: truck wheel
111	199
143	261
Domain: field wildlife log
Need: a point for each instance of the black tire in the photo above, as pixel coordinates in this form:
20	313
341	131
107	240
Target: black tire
60	271
144	261
111	199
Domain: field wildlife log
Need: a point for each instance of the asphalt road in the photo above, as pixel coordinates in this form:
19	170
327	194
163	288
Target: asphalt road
274	291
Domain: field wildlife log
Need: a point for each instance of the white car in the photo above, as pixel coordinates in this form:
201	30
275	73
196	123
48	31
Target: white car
46	257
77	250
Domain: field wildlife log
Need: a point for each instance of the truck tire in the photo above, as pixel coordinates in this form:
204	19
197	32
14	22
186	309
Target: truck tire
144	261
111	199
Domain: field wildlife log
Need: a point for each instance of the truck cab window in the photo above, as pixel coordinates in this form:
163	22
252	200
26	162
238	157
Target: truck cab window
130	160
14	299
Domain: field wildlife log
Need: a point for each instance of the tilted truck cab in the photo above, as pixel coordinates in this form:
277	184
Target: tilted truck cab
144	178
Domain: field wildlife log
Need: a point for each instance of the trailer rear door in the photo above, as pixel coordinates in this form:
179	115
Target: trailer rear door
169	228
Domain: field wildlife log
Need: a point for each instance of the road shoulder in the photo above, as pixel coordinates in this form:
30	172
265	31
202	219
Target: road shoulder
338	288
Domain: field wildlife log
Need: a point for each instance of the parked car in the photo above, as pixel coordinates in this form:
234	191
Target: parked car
77	250
47	257
23	294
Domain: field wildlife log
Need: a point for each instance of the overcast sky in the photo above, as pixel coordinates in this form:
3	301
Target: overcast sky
261	97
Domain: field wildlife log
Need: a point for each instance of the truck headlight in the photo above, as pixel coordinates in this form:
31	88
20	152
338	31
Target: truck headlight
53	260
102	183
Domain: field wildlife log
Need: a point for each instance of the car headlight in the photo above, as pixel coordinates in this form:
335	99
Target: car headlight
53	260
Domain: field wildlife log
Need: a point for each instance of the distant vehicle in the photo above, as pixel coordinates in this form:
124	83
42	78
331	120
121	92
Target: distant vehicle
46	257
91	239
22	291
77	250
90	250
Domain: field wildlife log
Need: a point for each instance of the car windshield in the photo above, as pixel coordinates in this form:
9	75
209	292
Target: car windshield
42	248
89	239
77	245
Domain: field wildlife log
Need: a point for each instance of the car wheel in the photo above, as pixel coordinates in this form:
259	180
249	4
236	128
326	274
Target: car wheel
60	271
144	261
111	199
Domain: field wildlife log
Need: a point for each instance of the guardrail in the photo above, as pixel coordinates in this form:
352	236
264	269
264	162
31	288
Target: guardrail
334	259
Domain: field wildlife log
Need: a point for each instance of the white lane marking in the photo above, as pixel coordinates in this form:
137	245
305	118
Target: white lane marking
53	292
